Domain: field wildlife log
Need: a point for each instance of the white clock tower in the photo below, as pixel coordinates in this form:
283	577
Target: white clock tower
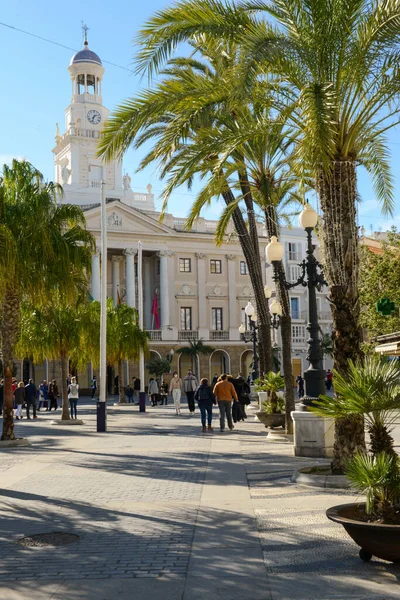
76	167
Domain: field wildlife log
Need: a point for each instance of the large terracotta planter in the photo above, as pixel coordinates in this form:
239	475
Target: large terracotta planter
375	539
274	420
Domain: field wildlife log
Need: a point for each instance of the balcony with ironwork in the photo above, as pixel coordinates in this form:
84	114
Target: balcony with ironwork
188	335
219	336
155	335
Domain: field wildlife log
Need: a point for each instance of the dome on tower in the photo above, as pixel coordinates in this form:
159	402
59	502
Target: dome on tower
85	55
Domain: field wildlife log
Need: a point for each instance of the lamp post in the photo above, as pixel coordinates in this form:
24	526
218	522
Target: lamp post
250	313
311	277
101	414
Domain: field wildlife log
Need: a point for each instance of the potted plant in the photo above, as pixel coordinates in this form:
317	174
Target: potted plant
272	413
372	389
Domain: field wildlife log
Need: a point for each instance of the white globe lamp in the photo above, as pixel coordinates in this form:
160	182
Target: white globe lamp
308	218
274	250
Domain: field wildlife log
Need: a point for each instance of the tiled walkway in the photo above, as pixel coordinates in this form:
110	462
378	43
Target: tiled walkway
166	512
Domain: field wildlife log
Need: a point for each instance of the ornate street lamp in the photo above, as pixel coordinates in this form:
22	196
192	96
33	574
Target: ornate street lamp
252	318
311	277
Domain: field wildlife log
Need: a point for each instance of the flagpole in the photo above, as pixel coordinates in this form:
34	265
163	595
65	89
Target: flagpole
101	405
140	303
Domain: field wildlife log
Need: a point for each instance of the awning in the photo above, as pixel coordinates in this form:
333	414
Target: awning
392	348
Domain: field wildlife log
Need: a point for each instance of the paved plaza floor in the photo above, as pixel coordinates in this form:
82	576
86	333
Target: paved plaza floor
164	511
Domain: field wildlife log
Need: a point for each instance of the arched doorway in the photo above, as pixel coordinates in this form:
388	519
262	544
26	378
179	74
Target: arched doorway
153	354
220	362
187	363
246	362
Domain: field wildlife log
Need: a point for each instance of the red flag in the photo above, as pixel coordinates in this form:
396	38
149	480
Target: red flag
118	298
155	312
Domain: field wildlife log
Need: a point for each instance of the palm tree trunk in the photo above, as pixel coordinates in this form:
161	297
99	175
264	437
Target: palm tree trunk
253	261
121	391
9	333
271	224
341	267
64	389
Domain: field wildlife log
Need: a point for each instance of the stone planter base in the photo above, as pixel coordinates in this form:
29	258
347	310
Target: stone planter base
319	478
313	436
69	422
14	443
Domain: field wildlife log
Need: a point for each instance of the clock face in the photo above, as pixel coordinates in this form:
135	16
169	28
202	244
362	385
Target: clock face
94	117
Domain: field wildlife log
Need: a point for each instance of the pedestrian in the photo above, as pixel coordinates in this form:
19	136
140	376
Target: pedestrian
19	398
93	386
30	398
43	395
73	397
129	393
175	388
215	379
136	388
53	395
189	387
205	400
243	393
153	391
329	377
1	396
164	393
224	392
300	386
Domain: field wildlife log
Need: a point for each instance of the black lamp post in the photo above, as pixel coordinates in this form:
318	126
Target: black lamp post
311	277
250	313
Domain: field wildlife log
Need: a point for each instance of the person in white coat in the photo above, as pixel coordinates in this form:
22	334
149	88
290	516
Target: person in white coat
153	391
175	388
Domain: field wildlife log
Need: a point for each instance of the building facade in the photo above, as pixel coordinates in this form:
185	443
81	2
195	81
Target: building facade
201	289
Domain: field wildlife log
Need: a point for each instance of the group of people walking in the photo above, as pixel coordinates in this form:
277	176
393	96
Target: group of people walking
45	397
225	390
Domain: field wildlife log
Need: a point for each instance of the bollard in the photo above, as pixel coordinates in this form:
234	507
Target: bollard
142	401
101	416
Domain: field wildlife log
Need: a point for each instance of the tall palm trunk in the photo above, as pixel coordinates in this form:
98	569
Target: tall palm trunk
9	333
64	388
121	391
271	224
341	267
253	261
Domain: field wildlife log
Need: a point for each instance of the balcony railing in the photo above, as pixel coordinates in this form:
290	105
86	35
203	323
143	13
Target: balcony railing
188	334
219	335
303	315
299	334
155	335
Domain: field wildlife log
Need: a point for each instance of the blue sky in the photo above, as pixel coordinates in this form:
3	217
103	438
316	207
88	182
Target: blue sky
36	86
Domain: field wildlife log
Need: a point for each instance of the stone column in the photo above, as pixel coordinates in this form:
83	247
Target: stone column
204	332
95	286
130	277
166	294
116	262
233	317
148	300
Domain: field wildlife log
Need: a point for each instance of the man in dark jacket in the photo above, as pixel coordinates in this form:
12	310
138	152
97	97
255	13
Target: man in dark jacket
30	398
205	399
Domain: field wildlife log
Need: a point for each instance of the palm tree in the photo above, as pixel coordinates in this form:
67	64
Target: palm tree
185	109
57	332
43	247
271	383
125	339
336	63
326	344
193	350
371	389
